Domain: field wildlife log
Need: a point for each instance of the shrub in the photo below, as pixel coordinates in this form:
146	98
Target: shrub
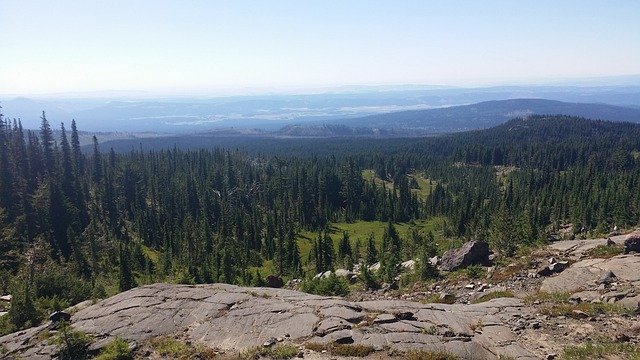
63	284
72	344
475	271
117	349
279	352
329	286
368	279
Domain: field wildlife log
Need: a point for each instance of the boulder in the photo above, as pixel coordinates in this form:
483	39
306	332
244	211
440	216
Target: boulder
632	243
274	281
554	268
408	265
558	266
471	253
607	278
632	303
343	273
434	260
60	316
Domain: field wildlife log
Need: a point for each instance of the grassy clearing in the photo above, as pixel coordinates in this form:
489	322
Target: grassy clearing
605	252
279	352
493	295
360	231
604	349
425	185
348	350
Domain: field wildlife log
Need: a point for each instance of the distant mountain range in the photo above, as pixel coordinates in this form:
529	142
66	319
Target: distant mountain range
486	114
392	125
272	112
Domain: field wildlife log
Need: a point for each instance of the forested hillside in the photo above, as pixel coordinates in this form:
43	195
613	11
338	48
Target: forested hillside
75	226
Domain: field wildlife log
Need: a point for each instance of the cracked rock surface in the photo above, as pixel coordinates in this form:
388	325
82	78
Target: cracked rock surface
234	318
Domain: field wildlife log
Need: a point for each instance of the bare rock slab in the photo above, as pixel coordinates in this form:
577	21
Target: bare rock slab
234	318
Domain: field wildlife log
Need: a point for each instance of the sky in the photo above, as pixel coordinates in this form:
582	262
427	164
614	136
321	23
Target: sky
216	46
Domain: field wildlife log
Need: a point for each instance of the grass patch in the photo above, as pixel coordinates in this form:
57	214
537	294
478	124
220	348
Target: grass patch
493	295
435	299
116	349
349	350
425	186
176	349
3	350
279	352
588	308
545	297
605	251
604	349
557	304
428	355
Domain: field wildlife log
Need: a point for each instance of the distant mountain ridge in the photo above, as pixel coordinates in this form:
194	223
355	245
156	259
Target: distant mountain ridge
488	114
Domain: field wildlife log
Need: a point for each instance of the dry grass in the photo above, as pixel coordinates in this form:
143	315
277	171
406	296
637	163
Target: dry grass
493	295
175	349
605	251
557	304
603	349
428	355
348	350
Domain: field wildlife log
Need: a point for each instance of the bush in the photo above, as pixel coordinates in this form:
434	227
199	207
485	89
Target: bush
59	282
279	352
475	271
117	349
23	312
72	344
368	279
329	286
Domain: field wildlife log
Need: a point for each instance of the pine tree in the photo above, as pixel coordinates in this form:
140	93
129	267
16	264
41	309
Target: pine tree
46	138
390	259
345	254
372	252
126	280
78	159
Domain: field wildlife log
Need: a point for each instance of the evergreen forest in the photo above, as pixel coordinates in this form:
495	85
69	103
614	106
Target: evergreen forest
83	223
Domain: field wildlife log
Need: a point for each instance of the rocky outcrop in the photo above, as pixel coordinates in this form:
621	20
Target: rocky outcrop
588	274
632	243
234	318
471	253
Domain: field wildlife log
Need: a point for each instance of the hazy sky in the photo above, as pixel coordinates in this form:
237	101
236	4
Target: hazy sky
61	46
